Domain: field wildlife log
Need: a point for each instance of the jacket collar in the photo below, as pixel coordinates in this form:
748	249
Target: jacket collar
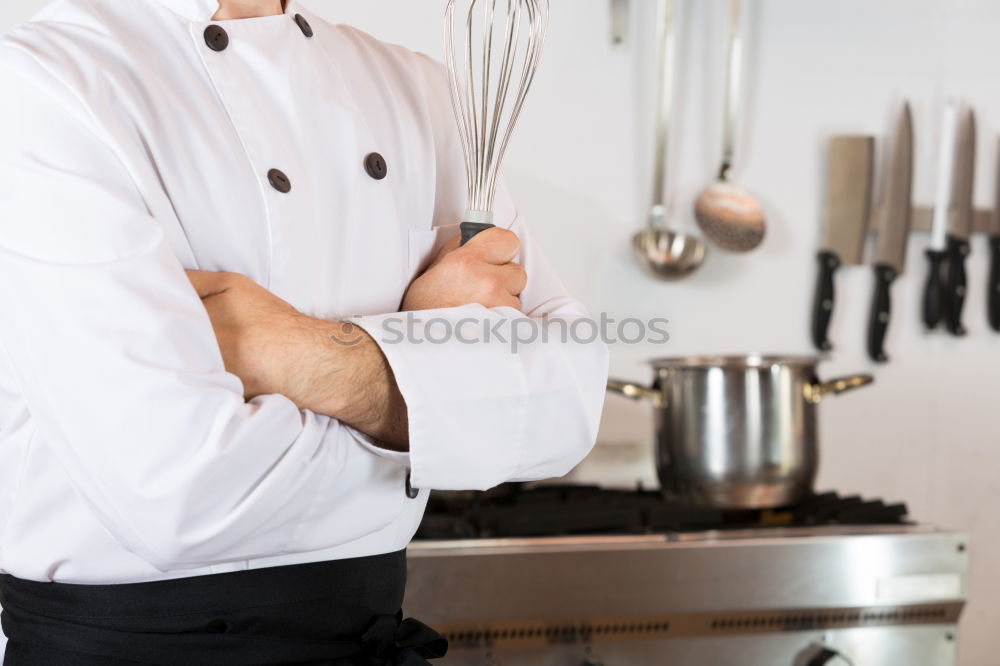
201	11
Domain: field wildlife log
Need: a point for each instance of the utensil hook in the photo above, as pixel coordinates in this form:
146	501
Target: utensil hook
734	77
666	20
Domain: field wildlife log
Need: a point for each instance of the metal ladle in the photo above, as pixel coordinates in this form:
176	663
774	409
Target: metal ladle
728	214
663	253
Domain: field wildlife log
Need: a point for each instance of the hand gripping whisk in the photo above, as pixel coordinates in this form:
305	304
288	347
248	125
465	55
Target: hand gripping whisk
490	75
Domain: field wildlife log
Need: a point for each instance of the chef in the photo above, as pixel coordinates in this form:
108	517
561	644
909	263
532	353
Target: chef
239	342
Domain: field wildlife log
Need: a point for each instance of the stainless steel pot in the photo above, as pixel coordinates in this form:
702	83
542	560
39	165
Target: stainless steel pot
737	432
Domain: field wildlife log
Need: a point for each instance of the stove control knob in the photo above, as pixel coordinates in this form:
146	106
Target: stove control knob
822	655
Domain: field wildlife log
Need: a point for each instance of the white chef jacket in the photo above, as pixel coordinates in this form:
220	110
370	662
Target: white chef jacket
130	150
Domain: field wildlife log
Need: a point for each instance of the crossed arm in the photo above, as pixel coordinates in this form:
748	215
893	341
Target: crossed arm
274	349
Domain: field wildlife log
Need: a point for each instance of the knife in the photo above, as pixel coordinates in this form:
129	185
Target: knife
994	285
960	223
845	221
894	231
934	295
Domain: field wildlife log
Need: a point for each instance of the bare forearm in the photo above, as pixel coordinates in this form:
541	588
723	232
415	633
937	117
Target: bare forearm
335	368
338	370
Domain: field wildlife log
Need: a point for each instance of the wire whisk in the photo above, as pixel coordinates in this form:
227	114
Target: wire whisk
490	74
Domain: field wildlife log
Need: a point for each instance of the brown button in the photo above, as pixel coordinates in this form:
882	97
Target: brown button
304	25
279	181
216	37
376	167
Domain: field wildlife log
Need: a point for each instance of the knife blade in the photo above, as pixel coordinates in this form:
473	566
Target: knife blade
960	223
845	222
934	289
894	231
994	284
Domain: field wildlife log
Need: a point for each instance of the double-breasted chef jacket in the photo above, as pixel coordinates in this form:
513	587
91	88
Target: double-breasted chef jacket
139	138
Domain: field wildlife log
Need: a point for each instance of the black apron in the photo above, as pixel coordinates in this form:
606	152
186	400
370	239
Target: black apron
340	613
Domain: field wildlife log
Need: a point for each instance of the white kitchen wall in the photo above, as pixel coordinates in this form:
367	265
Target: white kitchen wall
927	432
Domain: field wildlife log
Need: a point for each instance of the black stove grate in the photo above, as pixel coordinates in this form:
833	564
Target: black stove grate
515	510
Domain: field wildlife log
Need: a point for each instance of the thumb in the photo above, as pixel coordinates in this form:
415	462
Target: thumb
496	246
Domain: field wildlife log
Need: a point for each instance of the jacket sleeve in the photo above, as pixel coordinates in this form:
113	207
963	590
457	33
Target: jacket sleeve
117	361
498	395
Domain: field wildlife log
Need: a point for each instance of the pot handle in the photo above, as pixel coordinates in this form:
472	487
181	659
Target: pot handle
818	390
636	392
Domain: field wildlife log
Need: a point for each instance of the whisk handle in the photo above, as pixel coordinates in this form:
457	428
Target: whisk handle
471	229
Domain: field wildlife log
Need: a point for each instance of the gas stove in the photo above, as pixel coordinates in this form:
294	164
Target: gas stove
516	510
579	575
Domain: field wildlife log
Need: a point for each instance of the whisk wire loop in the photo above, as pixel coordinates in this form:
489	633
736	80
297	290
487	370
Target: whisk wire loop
487	94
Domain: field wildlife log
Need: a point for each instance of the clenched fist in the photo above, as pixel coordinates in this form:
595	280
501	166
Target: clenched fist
482	271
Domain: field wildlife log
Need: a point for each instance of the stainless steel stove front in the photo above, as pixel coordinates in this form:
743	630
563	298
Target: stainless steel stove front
796	597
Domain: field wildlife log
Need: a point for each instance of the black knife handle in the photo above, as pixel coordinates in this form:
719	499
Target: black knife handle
823	305
958	250
471	229
878	325
934	295
994	286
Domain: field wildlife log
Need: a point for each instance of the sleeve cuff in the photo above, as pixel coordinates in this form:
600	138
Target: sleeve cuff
465	397
400	457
